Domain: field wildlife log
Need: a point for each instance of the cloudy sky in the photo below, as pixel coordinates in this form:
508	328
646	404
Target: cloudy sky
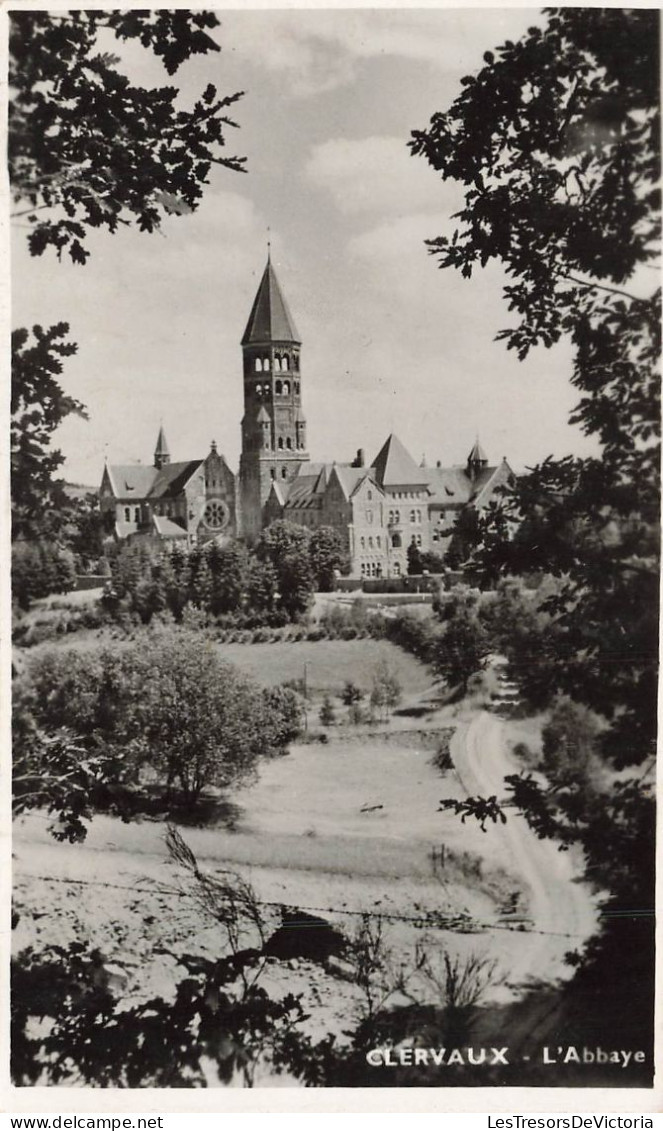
390	343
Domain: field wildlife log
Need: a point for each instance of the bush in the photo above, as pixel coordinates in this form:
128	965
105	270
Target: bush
168	704
38	569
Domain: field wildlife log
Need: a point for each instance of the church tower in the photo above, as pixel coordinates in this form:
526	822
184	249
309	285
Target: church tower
273	426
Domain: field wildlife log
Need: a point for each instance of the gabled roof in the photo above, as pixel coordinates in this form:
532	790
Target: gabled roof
454	487
270	319
131	481
136	481
394	466
172	478
351	478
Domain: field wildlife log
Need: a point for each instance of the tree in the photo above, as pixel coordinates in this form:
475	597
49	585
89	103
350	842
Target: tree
39	568
285	546
414	562
327	712
38	406
328	555
557	142
87	148
387	691
462	650
167	705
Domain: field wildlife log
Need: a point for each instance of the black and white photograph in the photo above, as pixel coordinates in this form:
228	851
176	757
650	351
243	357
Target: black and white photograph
335	342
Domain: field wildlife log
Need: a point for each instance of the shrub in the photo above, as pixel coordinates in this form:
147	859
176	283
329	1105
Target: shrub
169	704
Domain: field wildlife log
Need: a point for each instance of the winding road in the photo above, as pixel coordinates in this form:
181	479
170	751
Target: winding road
562	907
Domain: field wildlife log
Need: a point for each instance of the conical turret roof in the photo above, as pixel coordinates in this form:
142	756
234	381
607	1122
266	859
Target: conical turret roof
270	319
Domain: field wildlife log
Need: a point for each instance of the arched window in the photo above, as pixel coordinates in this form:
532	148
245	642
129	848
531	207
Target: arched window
288	444
277	364
258	390
378	542
413	516
370	543
278	388
284	473
272	473
285	364
297	387
396	541
258	365
397	516
137	514
127	514
281	443
418	516
369	496
265	364
286	388
397	569
418	539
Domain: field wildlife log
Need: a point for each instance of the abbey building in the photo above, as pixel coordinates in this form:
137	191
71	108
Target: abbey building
380	507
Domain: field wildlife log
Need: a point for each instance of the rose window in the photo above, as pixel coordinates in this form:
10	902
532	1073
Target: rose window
215	514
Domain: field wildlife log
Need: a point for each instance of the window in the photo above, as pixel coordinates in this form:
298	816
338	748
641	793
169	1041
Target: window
418	539
127	514
284	473
378	542
272	473
281	442
397	516
265	365
370	543
369	516
397	569
435	535
297	387
363	569
277	364
419	517
413	516
369	496
396	541
258	390
286	388
285	364
278	388
362	543
288	444
258	365
137	514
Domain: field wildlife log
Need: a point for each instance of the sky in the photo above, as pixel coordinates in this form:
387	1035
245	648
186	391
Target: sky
390	342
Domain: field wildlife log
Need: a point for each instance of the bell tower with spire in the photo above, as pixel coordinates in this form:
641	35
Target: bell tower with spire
273	425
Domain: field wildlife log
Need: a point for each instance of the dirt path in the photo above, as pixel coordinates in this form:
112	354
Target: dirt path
561	906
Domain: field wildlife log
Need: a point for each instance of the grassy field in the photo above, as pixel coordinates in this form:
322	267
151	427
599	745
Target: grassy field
329	663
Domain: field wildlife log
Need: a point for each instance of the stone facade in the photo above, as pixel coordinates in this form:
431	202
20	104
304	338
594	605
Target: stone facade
379	510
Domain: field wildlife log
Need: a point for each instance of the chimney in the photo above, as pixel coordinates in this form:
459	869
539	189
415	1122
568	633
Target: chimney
360	458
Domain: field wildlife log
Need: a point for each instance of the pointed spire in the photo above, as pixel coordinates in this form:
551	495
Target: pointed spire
161	453
270	319
477	457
